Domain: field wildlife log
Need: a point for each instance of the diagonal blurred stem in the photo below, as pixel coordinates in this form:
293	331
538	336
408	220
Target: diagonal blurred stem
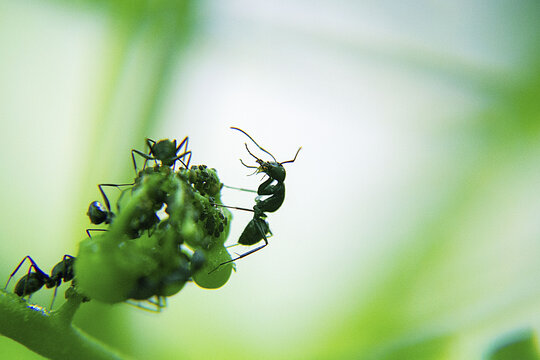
143	49
50	335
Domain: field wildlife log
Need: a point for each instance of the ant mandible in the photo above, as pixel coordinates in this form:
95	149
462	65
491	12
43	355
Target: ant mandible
165	151
258	228
34	280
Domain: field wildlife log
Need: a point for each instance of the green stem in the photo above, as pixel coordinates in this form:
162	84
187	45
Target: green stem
50	335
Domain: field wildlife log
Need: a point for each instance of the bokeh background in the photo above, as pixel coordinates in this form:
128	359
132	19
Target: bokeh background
410	227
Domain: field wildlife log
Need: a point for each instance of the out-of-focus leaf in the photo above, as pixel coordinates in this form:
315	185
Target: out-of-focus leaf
521	345
426	348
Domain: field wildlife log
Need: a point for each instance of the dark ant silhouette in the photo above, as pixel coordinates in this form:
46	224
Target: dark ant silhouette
99	214
164	151
274	187
34	280
151	291
159	288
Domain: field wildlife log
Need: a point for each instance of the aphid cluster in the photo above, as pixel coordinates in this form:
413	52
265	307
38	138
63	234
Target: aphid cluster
168	228
163	220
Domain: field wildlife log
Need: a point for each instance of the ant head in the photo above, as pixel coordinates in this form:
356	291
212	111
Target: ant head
273	169
165	151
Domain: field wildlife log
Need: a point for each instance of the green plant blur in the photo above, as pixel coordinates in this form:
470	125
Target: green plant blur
410	227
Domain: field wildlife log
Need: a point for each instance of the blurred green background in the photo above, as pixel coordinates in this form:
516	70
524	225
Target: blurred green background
410	228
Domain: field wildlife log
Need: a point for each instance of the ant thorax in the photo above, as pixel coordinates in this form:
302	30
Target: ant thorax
165	150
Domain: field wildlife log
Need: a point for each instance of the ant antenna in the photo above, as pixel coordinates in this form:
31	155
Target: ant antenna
245	133
251	167
290	161
256	158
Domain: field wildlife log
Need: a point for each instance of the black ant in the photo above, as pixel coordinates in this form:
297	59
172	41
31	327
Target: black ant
172	274
145	217
99	214
258	228
165	151
34	280
159	287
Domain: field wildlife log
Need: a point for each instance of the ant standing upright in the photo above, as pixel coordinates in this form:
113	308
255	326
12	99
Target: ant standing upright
274	187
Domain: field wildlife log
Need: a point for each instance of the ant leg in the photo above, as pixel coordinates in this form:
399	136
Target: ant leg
233	245
150	143
182	156
162	302
266	188
134	162
233	207
159	303
140	153
54	297
88	231
64	275
33	265
139	304
189	160
241	256
16	269
240	189
184	144
246	253
105	199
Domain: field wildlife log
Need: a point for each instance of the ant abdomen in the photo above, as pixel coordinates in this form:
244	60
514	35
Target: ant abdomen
29	284
98	214
255	231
